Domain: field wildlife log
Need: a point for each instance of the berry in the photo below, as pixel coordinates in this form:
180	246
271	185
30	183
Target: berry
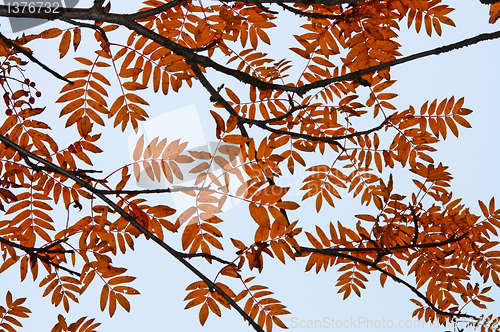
27	81
31	100
32	84
8	111
26	93
38	94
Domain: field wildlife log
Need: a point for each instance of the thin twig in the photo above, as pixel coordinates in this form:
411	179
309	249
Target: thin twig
309	2
205	255
415	222
90	26
156	10
35	252
394	277
216	96
388	250
205	48
435	51
281	117
30	56
312	15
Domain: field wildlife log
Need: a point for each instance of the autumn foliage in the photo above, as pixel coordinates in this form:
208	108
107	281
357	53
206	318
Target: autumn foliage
266	122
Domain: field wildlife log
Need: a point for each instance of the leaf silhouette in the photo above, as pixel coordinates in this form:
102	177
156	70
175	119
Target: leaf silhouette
328	125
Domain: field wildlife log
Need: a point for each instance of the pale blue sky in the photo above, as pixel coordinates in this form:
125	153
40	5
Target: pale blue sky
473	158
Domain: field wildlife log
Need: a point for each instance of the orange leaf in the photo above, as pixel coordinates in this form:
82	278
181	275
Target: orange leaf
64	44
161	211
203	313
71	95
461	121
100	77
50	33
213	306
233	96
221	126
120	280
287	205
77	74
132	86
136	99
235	139
230	271
77	37
138	149
238	244
263	36
104	297
164	82
259	214
112	304
196	301
253	37
494	12
124	303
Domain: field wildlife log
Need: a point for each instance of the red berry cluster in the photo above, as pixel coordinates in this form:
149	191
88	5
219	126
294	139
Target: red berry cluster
31	99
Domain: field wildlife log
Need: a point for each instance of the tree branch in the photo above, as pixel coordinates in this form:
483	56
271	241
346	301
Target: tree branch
36	253
90	26
394	277
148	191
205	255
263	124
217	97
127	21
282	117
156	10
177	255
415	223
435	51
30	56
306	2
307	14
386	251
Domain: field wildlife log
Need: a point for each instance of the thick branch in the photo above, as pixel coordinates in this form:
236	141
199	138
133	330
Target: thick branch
435	51
306	2
218	98
177	255
127	21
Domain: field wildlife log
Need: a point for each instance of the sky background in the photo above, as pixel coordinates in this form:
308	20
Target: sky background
473	159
